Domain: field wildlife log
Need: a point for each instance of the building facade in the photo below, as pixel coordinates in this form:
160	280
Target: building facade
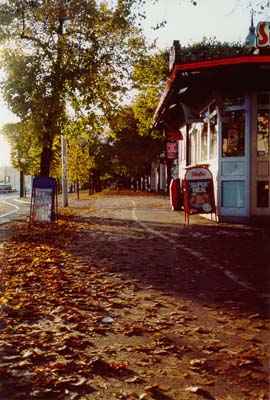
11	177
221	109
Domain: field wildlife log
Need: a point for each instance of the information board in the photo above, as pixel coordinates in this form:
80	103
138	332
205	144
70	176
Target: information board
44	201
43	205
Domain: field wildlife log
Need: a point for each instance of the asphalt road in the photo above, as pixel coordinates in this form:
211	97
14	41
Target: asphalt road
12	207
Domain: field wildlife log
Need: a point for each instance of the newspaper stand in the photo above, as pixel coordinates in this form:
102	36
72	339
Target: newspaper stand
198	192
43	200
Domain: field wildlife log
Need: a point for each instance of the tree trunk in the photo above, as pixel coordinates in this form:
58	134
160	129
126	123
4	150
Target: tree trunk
78	189
143	183
45	161
21	184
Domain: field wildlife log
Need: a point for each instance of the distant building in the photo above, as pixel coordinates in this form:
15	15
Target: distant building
11	176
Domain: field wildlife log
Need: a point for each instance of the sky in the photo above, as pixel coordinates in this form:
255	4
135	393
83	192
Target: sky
225	20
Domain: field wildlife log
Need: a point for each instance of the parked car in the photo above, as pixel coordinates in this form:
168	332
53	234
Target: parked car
6	188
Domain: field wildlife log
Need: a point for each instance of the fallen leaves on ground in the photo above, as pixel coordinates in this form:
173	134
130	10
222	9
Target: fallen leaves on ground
73	330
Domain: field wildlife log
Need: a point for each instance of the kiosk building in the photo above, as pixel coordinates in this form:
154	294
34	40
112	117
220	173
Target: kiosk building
220	108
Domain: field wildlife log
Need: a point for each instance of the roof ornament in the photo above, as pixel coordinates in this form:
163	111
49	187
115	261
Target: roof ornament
251	37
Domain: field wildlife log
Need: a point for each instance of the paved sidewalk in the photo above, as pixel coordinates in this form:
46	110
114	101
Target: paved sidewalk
120	300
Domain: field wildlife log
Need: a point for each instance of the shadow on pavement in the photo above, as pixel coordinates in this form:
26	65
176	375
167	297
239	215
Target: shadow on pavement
124	246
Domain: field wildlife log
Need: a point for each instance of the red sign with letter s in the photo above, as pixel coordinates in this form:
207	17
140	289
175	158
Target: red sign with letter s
263	34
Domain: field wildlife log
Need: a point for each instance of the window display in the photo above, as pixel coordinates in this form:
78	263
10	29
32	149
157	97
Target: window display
262	132
193	146
233	133
213	137
204	138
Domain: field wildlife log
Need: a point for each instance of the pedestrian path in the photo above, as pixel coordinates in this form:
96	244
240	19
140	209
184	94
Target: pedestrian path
121	300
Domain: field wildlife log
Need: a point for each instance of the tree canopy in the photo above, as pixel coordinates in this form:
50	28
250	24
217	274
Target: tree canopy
132	152
74	60
65	54
24	149
150	77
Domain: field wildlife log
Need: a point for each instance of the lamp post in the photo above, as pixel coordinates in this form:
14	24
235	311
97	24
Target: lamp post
162	173
64	172
22	186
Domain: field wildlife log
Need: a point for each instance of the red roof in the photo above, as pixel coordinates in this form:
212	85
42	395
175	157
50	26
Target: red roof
203	79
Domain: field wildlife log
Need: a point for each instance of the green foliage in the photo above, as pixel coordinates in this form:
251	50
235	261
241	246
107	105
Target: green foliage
80	161
132	152
209	49
78	52
79	136
24	146
77	57
150	76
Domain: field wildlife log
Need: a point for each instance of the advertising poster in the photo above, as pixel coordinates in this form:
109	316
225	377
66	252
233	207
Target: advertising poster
198	192
262	133
43	204
233	136
172	150
200	198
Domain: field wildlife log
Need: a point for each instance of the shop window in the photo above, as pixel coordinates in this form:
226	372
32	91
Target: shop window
262	132
233	194
262	194
233	133
204	155
213	137
193	146
234	101
181	150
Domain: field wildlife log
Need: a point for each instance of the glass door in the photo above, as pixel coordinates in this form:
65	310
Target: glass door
233	191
